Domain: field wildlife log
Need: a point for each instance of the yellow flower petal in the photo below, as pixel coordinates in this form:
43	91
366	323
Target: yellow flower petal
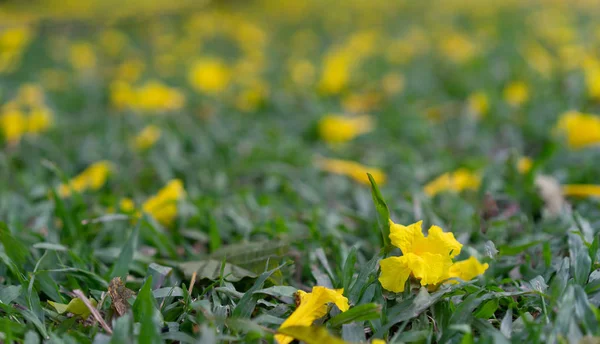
457	181
581	190
92	178
352	169
406	238
434	268
163	206
410	239
395	271
443	243
524	164
468	269
313	306
340	129
581	129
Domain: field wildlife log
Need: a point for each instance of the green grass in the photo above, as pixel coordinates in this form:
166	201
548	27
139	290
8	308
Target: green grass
260	221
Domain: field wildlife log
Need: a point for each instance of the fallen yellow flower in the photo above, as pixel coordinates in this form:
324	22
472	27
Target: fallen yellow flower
312	306
352	169
92	178
457	181
468	269
581	190
339	129
163	206
580	129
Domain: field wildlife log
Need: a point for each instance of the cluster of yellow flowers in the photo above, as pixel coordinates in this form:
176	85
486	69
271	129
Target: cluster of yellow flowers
27	113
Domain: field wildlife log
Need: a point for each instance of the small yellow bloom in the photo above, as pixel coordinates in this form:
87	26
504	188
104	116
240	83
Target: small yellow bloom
92	178
163	206
339	129
352	169
516	93
130	70
378	341
468	269
581	190
113	42
82	56
361	103
155	96
302	72
312	306
13	124
426	258
210	75
478	104
39	120
458	48
147	137
524	165
457	181
127	205
122	94
336	72
581	129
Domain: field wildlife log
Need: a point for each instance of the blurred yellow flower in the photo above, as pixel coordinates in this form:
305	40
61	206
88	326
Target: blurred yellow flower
122	94
426	258
82	56
538	58
163	206
92	178
39	120
516	93
524	164
130	70
467	269
361	102
13	42
581	129
155	96
147	137
591	69
127	205
581	190
113	42
393	83
457	181
339	129
13	124
210	75
336	72
352	169
30	95
312	306
458	47
478	104
252	96
302	72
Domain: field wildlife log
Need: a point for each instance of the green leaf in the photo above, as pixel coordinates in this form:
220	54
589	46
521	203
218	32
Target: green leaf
367	311
211	269
121	267
311	335
349	268
246	305
9	293
383	218
13	248
75	306
487	310
145	311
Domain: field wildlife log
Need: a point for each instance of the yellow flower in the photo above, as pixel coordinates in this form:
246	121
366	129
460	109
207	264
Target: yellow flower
130	70
163	206
210	75
147	137
340	129
457	181
581	190
458	48
127	205
357	103
468	269
516	93
112	41
39	120
426	258
378	341
252	96
155	96
336	72
352	169
312	306
92	178
30	95
581	129
13	42
478	104
393	83
122	95
524	164
13	124
82	56
302	72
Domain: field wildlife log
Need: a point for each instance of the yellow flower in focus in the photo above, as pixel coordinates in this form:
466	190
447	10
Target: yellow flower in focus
13	124
339	129
155	96
92	178
478	104
210	75
82	56
524	165
458	48
468	269
336	72
581	190
457	181
581	129
163	206
312	306
426	258
352	169
147	137
516	93
39	120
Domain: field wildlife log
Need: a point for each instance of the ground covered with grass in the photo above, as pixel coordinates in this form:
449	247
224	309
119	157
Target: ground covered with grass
326	172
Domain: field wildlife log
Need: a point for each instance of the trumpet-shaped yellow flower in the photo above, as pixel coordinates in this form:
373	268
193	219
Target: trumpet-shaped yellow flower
147	137
426	258
516	93
478	104
457	181
581	190
163	206
210	75
312	306
339	129
352	169
468	269
92	178
580	129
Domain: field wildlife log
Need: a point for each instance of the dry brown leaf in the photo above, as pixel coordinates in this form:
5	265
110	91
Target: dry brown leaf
119	294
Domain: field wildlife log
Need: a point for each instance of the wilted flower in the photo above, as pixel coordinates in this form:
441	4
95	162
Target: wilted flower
163	206
312	306
352	169
457	181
